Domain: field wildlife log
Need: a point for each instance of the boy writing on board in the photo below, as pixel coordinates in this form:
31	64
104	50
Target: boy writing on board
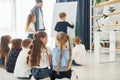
62	25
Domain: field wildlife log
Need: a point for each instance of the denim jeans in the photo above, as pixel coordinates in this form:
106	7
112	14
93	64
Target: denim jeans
2	60
30	36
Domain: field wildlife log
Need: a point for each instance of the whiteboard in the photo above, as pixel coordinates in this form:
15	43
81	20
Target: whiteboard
70	8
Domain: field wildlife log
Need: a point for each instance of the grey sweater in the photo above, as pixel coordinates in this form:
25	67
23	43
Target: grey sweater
35	10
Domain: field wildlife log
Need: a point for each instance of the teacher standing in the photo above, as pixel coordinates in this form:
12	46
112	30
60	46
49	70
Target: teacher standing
37	10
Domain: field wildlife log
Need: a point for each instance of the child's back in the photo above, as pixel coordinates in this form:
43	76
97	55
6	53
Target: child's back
12	57
64	60
61	57
79	50
62	25
39	56
4	48
13	54
22	69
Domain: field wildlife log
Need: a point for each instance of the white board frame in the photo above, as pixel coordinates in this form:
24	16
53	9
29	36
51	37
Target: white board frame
70	8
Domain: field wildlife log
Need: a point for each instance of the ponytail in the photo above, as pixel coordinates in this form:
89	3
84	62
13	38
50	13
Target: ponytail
59	62
29	20
70	55
63	38
35	52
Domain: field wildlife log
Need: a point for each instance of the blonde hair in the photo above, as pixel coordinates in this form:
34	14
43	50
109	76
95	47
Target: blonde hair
63	38
77	40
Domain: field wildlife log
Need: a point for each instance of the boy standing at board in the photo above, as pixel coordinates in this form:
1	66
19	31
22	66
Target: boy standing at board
62	25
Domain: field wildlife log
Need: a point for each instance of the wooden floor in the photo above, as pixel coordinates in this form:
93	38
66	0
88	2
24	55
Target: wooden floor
90	70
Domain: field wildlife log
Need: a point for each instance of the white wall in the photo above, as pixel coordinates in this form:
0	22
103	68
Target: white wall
7	18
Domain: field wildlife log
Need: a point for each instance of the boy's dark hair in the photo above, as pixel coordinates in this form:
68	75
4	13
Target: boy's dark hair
26	42
62	14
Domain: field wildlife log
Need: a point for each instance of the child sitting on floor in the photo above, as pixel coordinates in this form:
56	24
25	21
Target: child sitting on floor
13	54
61	57
78	50
22	70
4	48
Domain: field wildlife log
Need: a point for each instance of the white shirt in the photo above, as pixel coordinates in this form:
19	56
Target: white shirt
41	23
44	62
78	50
32	27
21	68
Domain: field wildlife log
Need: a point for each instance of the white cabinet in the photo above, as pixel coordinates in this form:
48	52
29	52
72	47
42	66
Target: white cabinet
97	46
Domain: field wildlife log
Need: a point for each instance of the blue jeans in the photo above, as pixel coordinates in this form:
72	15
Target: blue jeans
31	36
2	60
41	73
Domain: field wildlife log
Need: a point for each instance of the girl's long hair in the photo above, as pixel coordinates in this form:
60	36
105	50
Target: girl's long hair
5	40
35	52
63	38
29	20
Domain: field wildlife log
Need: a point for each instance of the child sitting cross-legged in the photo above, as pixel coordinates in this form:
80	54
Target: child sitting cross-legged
13	54
61	57
78	51
39	56
22	70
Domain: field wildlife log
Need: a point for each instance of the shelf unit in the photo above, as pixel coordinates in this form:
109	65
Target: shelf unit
106	3
96	35
108	25
117	49
108	14
110	2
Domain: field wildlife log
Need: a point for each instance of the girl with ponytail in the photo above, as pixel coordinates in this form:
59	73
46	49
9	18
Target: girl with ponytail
61	57
39	57
30	28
